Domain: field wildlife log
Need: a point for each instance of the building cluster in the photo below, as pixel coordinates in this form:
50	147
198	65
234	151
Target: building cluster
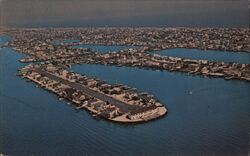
226	39
53	51
133	58
111	101
56	46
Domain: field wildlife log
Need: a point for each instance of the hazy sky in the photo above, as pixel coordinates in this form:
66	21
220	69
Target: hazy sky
64	13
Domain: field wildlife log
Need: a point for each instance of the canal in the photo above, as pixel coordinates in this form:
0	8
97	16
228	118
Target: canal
211	55
104	48
206	116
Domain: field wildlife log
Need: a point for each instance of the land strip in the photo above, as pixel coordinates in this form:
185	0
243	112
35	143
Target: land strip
124	107
117	102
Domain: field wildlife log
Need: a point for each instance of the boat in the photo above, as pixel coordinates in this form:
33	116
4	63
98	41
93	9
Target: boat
190	92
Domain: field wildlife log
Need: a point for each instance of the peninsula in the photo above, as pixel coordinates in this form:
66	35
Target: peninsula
117	102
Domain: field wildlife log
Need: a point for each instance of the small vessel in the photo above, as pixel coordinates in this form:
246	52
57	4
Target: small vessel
190	92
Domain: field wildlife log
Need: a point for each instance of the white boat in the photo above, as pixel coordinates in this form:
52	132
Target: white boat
190	92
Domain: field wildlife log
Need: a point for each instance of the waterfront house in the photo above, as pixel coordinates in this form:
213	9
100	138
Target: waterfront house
143	112
69	93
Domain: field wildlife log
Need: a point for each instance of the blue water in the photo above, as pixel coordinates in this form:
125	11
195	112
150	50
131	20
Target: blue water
213	120
57	42
104	48
69	41
3	40
211	55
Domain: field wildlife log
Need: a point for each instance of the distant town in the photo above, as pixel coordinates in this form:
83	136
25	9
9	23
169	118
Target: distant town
50	53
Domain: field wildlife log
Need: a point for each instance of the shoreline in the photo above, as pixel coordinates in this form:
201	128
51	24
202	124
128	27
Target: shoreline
125	115
116	102
230	39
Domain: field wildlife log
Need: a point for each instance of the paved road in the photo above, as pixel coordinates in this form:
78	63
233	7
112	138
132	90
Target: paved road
122	105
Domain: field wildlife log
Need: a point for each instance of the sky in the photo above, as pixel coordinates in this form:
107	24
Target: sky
170	13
